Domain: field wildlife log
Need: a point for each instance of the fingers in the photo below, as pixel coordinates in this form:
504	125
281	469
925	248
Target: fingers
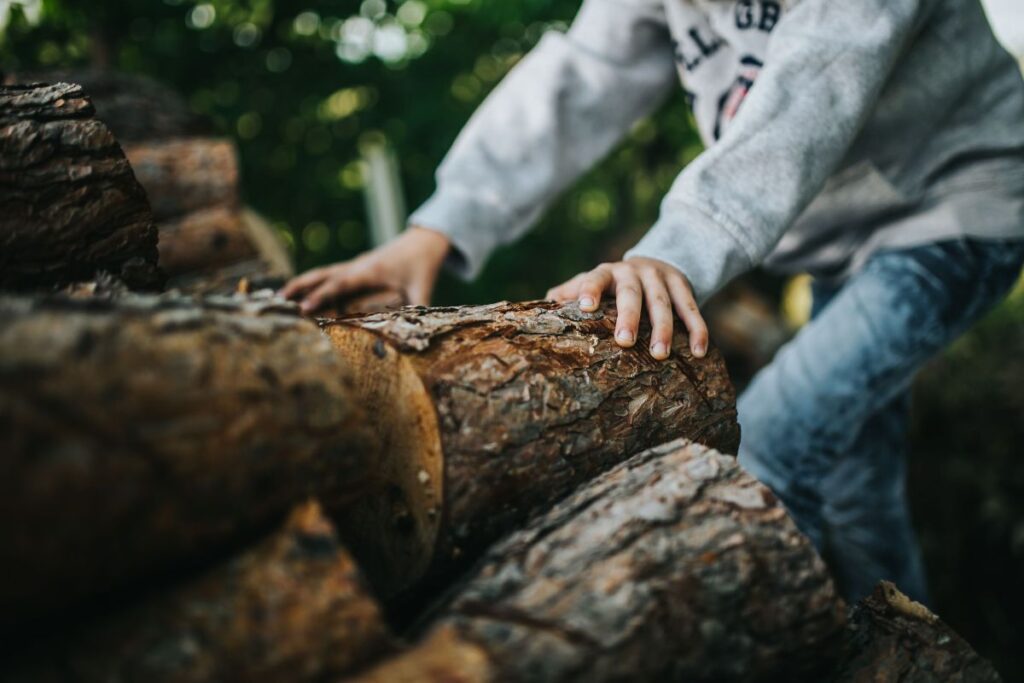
567	291
303	282
336	281
629	304
592	285
328	289
659	311
689	313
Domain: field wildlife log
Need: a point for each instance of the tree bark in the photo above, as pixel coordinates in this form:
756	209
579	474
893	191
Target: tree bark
293	608
134	107
69	204
892	639
675	565
186	174
511	407
144	434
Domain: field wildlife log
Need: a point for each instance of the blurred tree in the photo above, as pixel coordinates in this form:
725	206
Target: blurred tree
300	85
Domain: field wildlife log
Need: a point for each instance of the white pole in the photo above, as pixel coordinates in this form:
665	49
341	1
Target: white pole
385	202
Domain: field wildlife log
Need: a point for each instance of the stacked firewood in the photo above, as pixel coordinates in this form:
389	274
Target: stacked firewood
210	487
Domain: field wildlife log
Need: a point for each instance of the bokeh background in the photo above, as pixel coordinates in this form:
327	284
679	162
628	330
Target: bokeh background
312	90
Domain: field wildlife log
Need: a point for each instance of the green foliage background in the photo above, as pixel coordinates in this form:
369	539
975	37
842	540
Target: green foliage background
269	74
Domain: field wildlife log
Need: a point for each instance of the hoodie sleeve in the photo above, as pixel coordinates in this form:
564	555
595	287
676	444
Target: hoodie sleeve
826	66
557	113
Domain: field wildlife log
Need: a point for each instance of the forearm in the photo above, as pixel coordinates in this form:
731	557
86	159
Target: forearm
558	112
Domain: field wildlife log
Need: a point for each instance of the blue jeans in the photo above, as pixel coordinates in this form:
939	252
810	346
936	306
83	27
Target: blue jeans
825	424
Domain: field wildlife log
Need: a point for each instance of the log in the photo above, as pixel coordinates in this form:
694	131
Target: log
144	434
675	565
69	204
204	240
202	247
892	639
293	608
185	174
268	242
246	277
135	108
364	302
490	413
270	270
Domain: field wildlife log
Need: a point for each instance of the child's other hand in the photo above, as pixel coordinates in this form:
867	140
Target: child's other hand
408	264
634	282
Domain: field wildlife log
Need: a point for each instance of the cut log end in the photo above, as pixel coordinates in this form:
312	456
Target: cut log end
444	657
398	526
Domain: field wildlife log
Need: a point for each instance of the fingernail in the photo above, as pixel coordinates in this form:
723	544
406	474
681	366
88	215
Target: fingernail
624	336
586	302
699	350
659	350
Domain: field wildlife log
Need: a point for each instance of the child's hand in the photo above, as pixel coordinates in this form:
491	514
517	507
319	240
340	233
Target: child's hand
408	264
633	282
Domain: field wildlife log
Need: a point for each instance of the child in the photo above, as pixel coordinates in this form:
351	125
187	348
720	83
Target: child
877	144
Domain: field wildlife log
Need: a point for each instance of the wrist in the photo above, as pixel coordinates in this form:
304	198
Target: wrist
432	243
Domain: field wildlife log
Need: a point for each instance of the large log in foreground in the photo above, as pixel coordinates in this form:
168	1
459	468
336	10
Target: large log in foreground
294	608
69	204
143	432
675	565
892	639
489	413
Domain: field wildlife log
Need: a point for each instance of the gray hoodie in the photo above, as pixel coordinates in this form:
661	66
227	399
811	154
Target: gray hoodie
833	128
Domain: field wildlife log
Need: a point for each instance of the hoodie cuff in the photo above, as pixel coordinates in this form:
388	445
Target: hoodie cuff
702	248
473	226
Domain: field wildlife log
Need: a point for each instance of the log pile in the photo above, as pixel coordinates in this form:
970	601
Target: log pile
69	204
213	488
209	241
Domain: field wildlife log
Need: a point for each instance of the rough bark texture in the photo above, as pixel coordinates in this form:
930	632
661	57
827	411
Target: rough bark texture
675	565
135	108
143	433
506	409
892	639
204	240
69	204
186	174
294	608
